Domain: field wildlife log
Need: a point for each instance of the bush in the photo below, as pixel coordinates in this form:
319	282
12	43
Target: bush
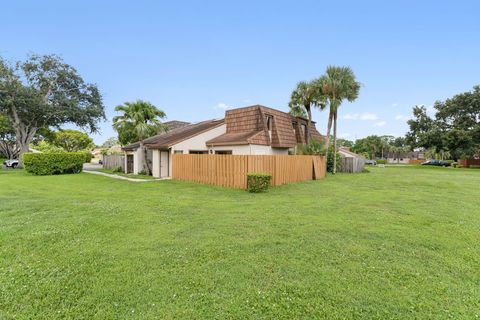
382	161
117	169
87	156
454	164
330	161
53	163
258	182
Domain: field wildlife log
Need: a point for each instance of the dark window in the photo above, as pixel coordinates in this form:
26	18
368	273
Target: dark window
198	151
223	151
269	122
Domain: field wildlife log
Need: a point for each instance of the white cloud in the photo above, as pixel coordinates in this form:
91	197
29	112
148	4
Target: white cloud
361	116
395	105
368	116
380	124
401	117
223	106
246	101
344	135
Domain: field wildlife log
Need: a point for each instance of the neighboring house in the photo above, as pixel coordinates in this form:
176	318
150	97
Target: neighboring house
251	130
346	153
351	161
405	157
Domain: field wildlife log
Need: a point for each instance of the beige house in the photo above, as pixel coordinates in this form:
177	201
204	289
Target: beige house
256	130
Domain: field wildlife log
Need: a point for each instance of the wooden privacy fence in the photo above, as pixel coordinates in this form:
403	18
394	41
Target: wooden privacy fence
114	161
352	165
469	163
231	170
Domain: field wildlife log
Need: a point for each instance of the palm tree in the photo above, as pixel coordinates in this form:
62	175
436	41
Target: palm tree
140	120
305	97
337	85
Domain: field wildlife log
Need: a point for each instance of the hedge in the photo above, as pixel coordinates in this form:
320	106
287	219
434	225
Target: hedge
53	163
258	182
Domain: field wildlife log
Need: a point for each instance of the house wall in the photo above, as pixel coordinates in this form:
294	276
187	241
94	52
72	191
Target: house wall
252	149
198	142
398	160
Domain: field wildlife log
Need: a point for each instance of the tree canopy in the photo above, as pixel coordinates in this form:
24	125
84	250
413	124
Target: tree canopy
73	140
455	127
44	92
139	120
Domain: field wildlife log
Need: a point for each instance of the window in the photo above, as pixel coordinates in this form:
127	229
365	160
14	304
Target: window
223	151
178	151
198	151
304	130
269	120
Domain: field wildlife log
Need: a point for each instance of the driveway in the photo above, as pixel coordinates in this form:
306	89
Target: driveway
91	166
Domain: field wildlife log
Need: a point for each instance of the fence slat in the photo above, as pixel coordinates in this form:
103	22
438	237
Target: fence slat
231	170
114	161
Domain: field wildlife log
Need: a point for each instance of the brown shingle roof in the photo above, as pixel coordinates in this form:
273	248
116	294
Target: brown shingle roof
171	126
239	138
248	126
168	139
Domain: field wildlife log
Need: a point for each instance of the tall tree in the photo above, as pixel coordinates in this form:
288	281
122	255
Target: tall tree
8	146
43	92
73	140
306	96
337	85
140	120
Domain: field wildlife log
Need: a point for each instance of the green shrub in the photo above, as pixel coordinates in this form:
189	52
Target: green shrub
382	161
330	161
117	169
87	156
454	164
53	163
258	182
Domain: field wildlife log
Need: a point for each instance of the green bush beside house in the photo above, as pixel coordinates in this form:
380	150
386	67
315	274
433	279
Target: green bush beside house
53	163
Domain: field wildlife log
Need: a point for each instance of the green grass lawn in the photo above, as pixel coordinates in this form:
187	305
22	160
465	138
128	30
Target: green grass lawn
128	175
395	243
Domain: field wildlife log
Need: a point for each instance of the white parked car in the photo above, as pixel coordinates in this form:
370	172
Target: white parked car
11	163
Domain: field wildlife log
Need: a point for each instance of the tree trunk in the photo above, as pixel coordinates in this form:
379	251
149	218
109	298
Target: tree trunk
143	158
335	142
23	138
307	132
329	128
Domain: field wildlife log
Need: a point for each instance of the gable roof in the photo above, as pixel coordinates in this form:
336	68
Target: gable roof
171	126
248	126
170	138
344	152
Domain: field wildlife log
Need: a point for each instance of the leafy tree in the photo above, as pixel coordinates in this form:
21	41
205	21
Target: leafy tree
337	85
298	111
344	143
8	145
313	147
110	142
47	147
305	97
459	119
140	120
43	92
455	128
425	131
73	140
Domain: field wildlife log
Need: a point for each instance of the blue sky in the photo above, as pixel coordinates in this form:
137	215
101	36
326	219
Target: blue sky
193	59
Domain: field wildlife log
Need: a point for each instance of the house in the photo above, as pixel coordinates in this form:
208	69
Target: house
351	161
405	157
254	130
